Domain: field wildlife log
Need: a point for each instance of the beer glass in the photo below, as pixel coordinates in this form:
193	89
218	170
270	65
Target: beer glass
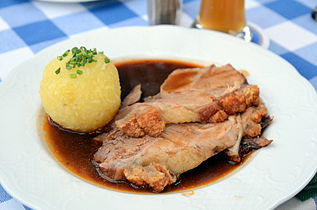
227	16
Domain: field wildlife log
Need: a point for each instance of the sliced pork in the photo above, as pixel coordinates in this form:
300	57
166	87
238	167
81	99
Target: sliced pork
133	97
203	112
207	95
158	161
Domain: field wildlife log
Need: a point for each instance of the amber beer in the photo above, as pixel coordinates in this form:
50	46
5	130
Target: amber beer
222	15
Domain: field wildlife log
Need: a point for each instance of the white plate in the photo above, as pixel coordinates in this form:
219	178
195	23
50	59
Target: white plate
274	174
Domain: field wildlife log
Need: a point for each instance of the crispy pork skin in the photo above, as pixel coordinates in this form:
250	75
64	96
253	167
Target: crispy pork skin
208	95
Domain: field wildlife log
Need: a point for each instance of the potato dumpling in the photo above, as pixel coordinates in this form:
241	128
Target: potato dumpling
80	90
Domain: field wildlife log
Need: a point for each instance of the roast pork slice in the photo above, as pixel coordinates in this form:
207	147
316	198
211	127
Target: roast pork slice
150	117
133	97
208	78
158	161
207	95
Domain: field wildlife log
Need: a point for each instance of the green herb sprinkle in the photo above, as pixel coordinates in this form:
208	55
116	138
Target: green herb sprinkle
107	60
79	72
80	57
73	76
58	70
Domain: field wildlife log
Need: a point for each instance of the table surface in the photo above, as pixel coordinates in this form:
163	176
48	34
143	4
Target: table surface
27	27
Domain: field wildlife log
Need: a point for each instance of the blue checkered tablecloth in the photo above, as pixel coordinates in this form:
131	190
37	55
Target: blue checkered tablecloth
27	26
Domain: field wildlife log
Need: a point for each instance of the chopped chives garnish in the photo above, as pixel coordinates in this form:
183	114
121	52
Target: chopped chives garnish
107	60
65	53
94	51
79	72
73	76
80	57
58	70
83	48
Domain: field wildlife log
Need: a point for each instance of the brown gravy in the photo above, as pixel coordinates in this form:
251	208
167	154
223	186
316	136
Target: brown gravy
75	152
